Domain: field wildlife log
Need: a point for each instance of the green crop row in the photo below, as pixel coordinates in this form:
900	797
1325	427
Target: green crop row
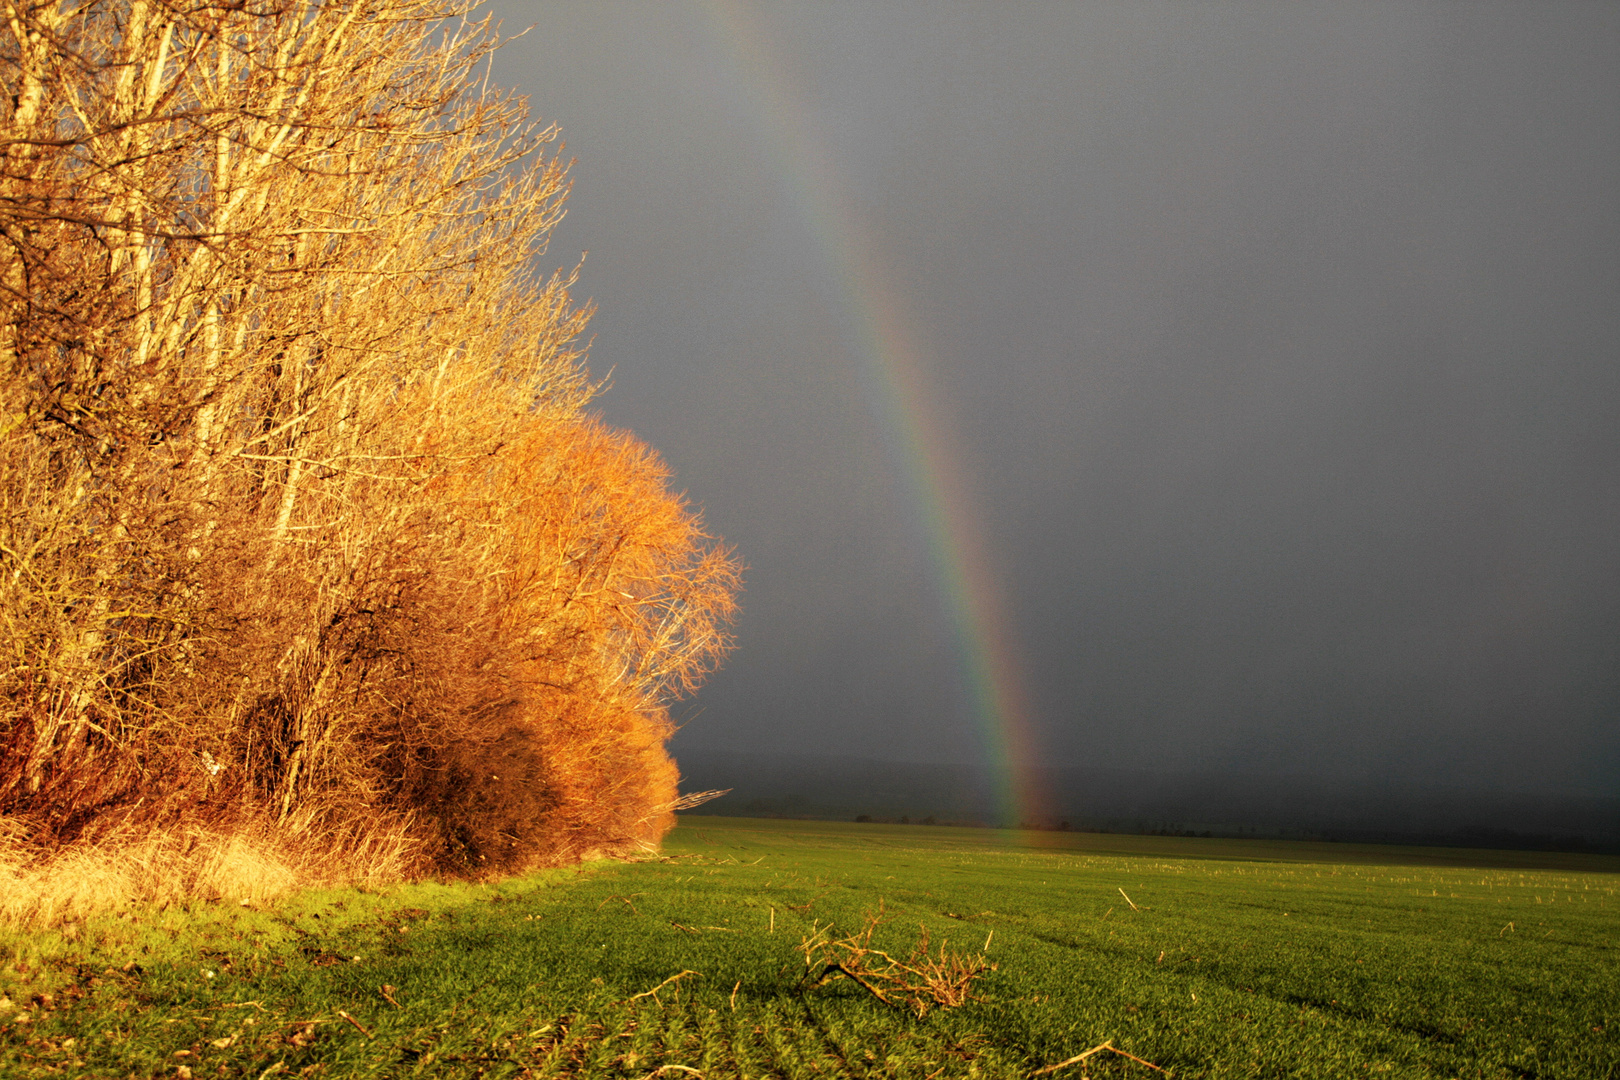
1197	958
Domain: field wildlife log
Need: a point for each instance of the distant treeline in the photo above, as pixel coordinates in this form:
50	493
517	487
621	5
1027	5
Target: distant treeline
1505	839
305	533
1158	803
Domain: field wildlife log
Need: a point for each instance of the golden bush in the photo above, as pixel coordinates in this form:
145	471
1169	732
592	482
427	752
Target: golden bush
305	535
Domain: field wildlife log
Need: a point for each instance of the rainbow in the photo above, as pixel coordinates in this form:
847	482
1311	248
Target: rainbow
892	371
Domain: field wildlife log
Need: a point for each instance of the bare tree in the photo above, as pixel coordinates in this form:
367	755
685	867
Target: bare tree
278	376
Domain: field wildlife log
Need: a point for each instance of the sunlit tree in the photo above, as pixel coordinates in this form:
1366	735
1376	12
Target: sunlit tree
300	514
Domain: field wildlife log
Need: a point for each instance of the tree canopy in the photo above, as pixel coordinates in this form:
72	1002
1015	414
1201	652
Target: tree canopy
305	529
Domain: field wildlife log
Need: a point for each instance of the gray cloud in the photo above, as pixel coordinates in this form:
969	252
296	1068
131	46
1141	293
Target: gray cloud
1280	344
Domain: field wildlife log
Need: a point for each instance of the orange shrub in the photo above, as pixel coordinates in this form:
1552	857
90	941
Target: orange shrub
305	536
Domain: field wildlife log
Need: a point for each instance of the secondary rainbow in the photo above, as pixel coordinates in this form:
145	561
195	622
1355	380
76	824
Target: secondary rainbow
891	357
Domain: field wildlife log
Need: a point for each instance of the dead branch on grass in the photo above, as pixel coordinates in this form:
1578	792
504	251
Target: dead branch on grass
920	982
1099	1048
653	993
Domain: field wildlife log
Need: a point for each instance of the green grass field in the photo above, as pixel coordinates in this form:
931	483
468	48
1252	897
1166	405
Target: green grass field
1238	959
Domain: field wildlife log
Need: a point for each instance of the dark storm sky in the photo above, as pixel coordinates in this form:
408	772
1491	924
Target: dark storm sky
1279	346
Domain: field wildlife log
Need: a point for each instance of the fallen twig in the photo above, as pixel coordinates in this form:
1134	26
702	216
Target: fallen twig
1099	1048
653	993
355	1022
1129	901
1077	1059
839	969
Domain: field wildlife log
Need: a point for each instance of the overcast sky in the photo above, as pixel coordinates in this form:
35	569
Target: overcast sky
1277	347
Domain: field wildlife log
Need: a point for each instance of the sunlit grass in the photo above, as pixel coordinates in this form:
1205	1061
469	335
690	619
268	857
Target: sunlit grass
1226	966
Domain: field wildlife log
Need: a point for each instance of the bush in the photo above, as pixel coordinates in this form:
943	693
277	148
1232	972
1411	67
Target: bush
304	531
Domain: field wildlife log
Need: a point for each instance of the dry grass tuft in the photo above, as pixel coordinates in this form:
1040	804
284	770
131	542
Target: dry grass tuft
920	982
50	887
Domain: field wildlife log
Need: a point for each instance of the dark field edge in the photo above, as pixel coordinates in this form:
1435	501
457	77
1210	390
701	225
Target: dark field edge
1312	852
1371	810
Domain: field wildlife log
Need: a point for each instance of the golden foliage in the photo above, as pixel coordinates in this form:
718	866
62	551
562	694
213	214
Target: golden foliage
303	529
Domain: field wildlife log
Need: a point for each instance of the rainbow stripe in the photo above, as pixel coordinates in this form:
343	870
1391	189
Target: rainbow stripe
892	371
